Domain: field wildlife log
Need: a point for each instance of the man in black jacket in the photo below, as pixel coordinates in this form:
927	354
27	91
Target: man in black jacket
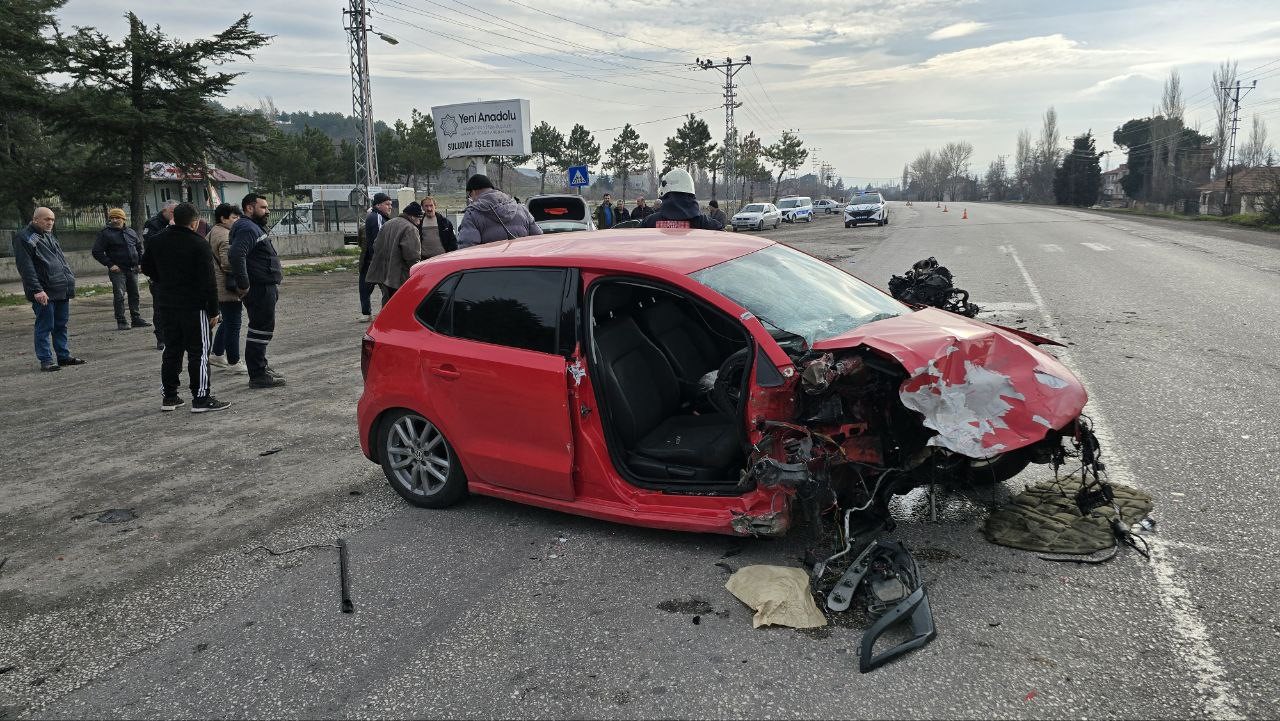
258	274
180	262
379	213
117	247
436	232
153	227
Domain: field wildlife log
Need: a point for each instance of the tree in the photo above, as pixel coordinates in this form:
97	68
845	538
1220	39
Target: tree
1024	165
1255	151
786	154
1223	77
547	145
1189	154
627	156
953	160
997	180
31	49
748	165
715	163
1079	179
152	96
581	149
1046	158
691	147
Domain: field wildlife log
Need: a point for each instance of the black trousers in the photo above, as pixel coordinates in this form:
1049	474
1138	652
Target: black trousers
260	305
185	331
124	286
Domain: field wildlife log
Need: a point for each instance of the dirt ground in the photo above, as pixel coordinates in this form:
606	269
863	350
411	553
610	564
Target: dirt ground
92	438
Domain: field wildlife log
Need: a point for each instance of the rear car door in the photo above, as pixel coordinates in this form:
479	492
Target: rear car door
499	376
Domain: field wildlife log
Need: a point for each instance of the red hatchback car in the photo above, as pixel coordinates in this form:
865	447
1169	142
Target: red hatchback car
691	380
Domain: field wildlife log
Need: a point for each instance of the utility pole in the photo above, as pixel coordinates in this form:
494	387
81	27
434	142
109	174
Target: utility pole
730	68
1231	148
356	23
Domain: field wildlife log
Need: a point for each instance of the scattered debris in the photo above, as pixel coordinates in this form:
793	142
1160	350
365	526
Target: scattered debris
719	564
692	605
270	451
2	562
779	595
116	515
928	283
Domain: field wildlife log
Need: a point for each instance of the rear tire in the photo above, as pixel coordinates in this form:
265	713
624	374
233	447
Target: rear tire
419	462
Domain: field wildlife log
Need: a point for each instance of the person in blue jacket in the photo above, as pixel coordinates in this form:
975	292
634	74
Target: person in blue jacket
49	284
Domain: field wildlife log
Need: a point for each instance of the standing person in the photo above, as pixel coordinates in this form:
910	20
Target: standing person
679	207
716	213
49	284
378	214
605	215
227	338
256	268
180	259
641	211
620	214
152	228
399	247
117	247
437	232
492	215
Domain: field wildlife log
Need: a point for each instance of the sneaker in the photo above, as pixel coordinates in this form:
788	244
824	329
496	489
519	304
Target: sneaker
71	361
49	367
237	368
171	403
208	403
266	380
140	323
274	373
366	318
217	360
121	325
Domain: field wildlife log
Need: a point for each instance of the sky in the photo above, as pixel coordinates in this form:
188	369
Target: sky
867	84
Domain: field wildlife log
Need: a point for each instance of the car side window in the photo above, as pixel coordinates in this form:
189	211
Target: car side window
514	307
433	305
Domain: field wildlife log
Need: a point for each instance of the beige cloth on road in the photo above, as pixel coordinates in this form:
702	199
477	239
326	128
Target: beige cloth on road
779	595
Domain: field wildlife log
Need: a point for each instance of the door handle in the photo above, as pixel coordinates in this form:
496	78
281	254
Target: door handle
447	372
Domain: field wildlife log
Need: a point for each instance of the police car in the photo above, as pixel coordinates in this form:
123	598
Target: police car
796	208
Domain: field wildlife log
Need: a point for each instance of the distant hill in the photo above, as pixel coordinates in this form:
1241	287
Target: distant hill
338	126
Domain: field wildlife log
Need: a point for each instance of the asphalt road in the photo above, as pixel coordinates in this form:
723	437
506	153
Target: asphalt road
493	610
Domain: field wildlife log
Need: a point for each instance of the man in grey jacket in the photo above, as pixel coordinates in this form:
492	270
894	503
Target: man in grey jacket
399	246
492	215
50	285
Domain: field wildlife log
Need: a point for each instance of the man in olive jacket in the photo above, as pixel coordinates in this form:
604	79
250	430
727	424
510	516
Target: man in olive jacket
399	246
50	285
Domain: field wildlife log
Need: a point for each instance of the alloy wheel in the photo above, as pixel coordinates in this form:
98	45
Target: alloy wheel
418	456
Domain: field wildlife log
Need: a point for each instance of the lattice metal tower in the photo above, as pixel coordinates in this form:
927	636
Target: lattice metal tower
356	22
1231	152
730	68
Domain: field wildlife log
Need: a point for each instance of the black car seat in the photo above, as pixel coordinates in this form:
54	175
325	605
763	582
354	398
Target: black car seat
643	397
683	341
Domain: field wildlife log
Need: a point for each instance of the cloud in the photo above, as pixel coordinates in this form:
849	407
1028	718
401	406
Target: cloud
958	30
951	122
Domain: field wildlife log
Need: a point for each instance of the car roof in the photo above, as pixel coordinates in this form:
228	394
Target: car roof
631	249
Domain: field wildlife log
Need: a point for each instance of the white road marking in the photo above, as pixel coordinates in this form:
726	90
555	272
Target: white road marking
1191	636
1051	248
1096	246
994	307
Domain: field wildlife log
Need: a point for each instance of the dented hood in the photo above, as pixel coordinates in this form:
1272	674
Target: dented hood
984	390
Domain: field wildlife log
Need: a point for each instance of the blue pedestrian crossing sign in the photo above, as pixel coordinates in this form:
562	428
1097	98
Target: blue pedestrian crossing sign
578	176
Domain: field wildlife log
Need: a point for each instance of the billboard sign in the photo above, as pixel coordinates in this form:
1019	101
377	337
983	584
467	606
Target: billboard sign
492	127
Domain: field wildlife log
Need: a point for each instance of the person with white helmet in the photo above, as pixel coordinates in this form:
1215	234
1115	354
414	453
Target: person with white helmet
679	207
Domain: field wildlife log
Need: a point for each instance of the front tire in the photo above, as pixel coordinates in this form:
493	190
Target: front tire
419	462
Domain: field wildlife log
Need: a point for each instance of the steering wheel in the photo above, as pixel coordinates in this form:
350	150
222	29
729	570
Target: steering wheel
726	393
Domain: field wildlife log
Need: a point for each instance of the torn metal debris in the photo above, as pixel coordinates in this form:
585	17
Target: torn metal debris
928	283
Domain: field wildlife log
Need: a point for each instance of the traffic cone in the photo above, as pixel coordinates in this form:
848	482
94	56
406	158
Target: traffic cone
945	209
965	215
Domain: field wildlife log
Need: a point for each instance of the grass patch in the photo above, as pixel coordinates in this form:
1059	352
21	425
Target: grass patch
353	250
1257	221
82	292
327	266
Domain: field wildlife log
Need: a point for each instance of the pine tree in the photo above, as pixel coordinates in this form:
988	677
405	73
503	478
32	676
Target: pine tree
1079	179
787	154
547	145
691	146
627	156
152	97
581	149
